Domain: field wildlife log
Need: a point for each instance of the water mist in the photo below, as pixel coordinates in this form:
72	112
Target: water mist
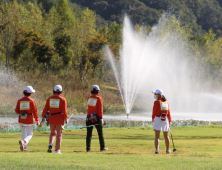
161	60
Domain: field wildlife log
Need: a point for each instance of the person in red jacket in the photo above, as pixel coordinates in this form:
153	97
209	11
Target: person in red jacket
162	119
26	108
95	117
55	112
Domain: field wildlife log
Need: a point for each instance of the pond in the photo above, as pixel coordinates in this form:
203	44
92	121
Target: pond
137	117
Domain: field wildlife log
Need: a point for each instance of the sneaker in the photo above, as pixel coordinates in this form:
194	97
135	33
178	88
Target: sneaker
104	149
21	143
49	148
168	151
25	150
58	152
88	150
157	152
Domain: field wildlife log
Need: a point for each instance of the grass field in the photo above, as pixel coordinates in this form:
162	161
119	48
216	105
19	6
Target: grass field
129	148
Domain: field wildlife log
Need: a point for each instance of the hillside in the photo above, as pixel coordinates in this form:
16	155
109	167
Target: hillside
48	42
199	14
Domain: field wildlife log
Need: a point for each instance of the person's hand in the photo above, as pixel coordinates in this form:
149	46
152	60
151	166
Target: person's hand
38	123
43	120
65	122
104	122
170	124
153	120
101	122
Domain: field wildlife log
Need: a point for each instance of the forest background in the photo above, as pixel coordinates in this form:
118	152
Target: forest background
49	42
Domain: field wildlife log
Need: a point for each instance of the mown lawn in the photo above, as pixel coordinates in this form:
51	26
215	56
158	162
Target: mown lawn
129	148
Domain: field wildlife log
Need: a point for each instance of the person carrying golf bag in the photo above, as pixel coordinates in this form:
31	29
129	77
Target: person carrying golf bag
95	117
162	119
26	108
56	107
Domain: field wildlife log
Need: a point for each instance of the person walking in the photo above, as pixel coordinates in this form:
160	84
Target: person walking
55	112
26	108
162	119
95	117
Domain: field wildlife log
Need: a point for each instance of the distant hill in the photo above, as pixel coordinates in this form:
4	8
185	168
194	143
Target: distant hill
199	14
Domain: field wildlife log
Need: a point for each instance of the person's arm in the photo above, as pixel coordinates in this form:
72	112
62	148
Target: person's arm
64	109
17	108
46	109
169	115
155	108
100	108
88	110
34	110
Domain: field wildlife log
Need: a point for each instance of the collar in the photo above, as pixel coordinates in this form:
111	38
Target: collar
57	94
160	98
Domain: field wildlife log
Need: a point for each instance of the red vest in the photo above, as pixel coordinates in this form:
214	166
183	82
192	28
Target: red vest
27	104
55	104
95	104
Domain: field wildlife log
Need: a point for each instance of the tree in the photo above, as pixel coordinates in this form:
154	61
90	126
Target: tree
30	40
95	46
7	30
66	17
62	44
84	29
114	36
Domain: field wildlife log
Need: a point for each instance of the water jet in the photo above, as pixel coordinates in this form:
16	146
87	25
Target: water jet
162	59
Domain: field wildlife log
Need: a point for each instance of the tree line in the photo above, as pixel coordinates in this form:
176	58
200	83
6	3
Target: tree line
200	15
64	38
56	34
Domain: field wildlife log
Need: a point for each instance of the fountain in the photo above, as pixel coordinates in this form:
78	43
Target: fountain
162	60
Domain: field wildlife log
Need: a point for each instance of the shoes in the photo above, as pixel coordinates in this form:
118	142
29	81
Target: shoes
49	148
21	143
157	152
168	151
25	150
88	150
104	149
58	152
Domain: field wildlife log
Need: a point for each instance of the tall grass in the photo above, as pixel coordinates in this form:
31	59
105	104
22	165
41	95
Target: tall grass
75	91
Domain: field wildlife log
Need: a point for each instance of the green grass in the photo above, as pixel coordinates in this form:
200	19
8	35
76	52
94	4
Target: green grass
129	148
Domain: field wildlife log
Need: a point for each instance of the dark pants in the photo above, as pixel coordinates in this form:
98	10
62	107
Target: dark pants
89	136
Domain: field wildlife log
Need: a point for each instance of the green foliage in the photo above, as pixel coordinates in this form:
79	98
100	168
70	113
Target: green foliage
61	45
197	14
66	16
41	51
63	34
95	46
114	36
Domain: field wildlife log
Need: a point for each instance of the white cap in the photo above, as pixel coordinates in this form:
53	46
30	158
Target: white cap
95	88
58	88
29	89
158	91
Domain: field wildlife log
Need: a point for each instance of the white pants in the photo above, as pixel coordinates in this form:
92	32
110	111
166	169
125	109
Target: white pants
27	132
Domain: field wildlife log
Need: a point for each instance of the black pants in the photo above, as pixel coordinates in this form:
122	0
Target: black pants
89	136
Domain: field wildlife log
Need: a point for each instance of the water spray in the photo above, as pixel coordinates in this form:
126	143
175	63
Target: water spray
137	72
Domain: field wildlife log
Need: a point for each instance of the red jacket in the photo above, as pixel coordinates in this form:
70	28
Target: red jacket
27	104
161	107
95	104
54	104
